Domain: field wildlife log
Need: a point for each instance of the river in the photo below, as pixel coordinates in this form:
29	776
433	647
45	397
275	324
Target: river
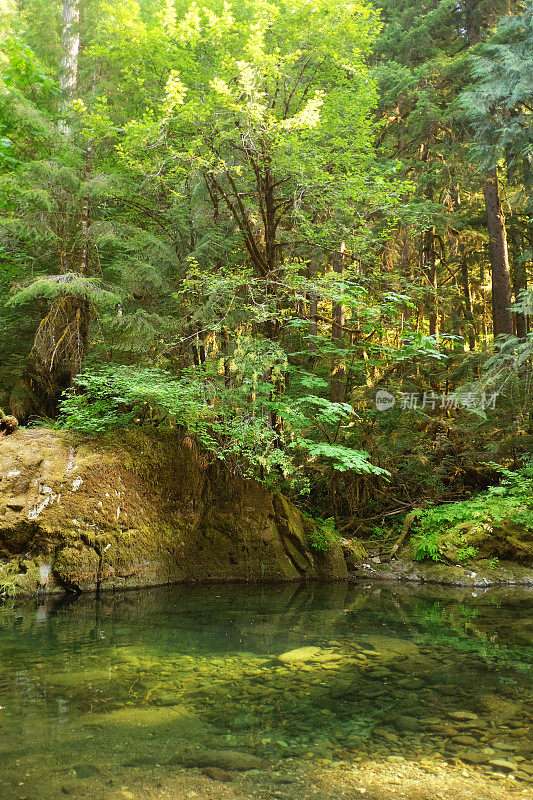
131	695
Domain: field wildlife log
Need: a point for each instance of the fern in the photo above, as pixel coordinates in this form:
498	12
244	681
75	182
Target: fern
510	502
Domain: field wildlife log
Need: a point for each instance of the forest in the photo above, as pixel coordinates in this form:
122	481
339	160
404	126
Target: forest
297	231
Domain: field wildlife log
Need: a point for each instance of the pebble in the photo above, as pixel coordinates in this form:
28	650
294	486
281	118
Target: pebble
223	759
85	771
411	683
385	734
300	654
465	740
504	745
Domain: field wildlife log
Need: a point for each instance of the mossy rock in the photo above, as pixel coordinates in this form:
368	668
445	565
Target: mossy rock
140	509
506	540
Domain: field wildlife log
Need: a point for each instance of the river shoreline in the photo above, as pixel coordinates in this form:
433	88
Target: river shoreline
477	574
400	574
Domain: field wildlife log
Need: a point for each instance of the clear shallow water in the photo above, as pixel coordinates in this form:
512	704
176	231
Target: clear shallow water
94	689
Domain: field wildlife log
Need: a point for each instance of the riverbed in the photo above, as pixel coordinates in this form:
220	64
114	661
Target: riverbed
292	691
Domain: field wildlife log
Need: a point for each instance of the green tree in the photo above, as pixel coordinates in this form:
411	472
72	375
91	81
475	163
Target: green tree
499	108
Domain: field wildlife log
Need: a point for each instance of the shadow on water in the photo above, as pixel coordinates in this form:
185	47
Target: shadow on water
96	686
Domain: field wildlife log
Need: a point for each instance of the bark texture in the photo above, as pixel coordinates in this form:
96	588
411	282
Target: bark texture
502	322
338	377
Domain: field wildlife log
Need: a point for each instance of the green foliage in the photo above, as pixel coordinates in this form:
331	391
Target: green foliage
344	459
465	553
226	183
8	571
498	105
323	535
236	424
53	286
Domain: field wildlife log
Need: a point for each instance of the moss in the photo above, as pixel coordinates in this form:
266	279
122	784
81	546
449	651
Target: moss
77	568
505	540
143	510
354	552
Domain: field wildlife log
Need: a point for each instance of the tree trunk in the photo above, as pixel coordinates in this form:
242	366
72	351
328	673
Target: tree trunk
502	321
313	305
430	270
338	376
61	341
499	258
519	284
70	44
469	313
84	255
519	279
472	26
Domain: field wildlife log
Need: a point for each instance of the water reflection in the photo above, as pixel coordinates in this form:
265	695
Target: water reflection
93	687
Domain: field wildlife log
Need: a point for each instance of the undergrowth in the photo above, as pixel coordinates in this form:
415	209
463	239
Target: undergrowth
510	502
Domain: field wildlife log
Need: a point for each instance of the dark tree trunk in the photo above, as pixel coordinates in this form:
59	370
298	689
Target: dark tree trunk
499	258
472	25
502	321
313	305
470	333
430	270
225	350
84	255
519	279
519	284
338	376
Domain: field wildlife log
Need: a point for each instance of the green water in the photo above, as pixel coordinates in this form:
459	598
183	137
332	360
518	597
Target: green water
97	691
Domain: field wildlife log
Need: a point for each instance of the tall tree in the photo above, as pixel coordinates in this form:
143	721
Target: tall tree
502	322
275	122
499	109
425	71
499	254
61	340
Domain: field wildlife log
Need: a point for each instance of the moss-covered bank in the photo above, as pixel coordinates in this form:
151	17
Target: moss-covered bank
140	509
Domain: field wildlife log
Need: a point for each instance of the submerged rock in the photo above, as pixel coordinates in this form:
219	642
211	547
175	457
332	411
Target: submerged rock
137	509
463	715
501	765
388	648
407	724
86	771
300	654
223	759
472	756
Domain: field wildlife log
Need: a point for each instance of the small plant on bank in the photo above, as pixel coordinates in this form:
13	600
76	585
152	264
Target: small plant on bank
324	535
464	553
247	421
7	574
510	503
